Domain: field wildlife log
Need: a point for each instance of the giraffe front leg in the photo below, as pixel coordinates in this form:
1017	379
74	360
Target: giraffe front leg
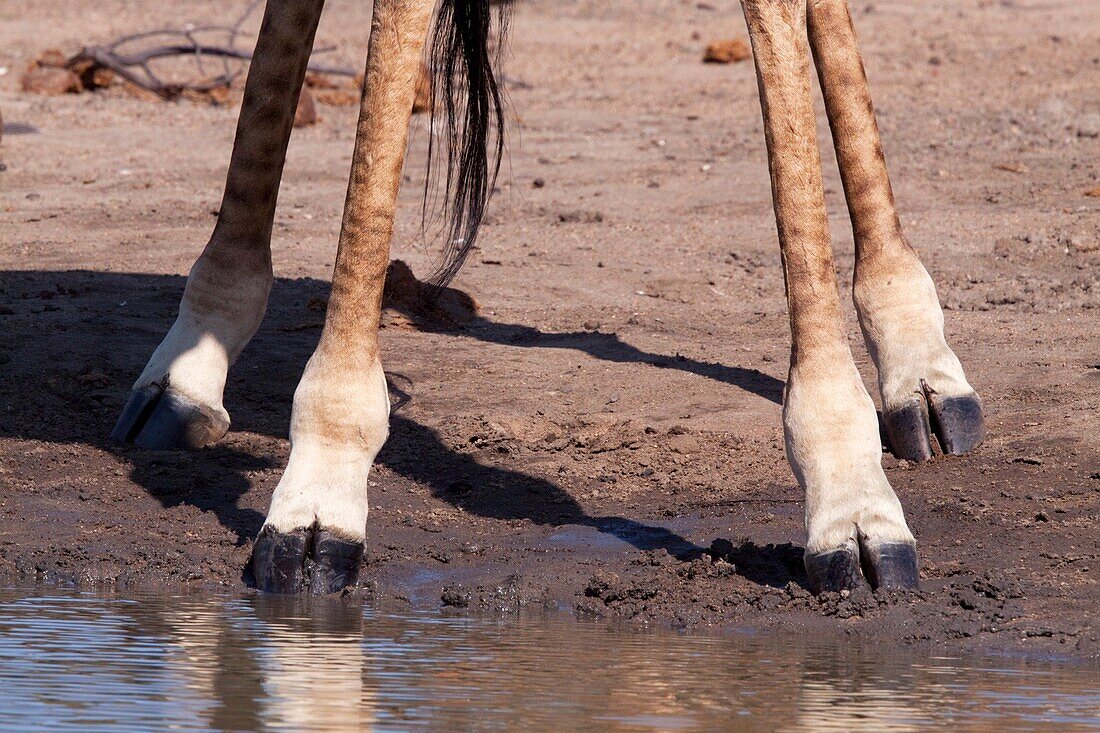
314	533
312	540
855	526
924	390
177	400
854	522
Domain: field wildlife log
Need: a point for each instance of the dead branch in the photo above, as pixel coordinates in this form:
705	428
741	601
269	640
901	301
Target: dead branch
131	56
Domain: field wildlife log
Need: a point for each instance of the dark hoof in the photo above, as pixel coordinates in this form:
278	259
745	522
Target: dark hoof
308	559
907	428
157	417
278	560
335	563
833	570
891	565
958	422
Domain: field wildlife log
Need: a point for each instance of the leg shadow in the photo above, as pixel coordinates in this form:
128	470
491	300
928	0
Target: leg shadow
417	453
71	343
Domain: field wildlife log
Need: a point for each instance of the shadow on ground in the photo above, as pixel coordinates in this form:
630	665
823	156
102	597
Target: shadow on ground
72	342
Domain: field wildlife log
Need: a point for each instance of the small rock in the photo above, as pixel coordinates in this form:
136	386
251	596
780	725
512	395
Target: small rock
580	217
1088	125
1081	243
684	444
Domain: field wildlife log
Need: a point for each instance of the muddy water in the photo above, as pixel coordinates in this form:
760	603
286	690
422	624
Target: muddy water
81	662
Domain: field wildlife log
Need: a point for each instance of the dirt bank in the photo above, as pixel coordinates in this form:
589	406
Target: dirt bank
604	435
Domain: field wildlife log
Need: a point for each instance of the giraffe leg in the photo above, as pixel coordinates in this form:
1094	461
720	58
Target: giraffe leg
313	536
924	390
177	400
855	525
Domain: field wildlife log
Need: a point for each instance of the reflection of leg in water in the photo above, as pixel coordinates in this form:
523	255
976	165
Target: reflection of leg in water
212	657
295	666
313	664
848	688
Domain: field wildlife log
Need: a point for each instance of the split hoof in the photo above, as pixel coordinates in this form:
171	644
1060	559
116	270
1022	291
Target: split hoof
278	560
958	424
304	560
157	417
888	565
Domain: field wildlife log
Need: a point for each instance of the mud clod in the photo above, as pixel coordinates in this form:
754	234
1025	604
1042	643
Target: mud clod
50	80
455	596
727	51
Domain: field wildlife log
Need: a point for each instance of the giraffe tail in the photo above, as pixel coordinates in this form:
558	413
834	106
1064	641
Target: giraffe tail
471	105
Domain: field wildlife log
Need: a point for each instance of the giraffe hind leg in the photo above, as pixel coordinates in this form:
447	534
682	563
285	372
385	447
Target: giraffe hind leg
176	402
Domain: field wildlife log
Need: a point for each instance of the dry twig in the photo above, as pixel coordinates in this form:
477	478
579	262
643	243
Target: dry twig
131	57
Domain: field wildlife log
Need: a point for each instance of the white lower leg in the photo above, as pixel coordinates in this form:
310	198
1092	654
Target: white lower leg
220	312
896	300
902	324
317	522
834	450
829	420
339	423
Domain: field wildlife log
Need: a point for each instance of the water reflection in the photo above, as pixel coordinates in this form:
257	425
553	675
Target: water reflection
73	661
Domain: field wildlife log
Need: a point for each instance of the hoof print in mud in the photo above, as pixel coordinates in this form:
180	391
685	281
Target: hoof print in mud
309	560
887	565
957	422
160	418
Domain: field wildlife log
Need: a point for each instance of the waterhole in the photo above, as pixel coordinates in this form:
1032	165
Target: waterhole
74	661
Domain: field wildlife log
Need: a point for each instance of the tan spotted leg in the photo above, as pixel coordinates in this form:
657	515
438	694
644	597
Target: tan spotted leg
853	518
317	521
919	375
177	400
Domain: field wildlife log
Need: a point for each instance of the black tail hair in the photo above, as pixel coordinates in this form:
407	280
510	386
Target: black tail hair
470	95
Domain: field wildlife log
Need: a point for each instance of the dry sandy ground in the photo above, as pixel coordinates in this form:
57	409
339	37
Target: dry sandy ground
614	409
